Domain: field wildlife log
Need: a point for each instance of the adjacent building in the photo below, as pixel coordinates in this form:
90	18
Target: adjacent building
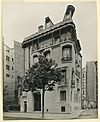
19	66
58	42
83	88
13	62
8	72
19	61
92	84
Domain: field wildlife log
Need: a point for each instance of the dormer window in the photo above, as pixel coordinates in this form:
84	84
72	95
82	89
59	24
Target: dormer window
35	59
67	53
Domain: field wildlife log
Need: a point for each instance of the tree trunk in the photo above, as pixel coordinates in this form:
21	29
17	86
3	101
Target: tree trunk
43	91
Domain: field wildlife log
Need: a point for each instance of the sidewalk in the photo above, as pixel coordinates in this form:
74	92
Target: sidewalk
37	115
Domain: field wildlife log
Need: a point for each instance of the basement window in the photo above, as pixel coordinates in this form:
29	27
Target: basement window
62	108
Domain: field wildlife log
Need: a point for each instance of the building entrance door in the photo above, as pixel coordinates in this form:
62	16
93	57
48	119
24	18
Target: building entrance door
25	106
37	102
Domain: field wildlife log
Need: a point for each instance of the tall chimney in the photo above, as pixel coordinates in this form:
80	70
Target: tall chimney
40	28
69	12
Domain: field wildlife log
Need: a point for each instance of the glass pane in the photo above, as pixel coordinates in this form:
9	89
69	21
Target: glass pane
47	55
35	59
67	52
62	95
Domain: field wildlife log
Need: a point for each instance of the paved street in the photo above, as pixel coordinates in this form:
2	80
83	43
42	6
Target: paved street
85	114
37	115
89	114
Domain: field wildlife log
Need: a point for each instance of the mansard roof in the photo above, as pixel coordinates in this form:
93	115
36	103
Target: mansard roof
45	31
67	21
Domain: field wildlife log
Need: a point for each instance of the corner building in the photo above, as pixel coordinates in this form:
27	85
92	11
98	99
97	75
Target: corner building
58	42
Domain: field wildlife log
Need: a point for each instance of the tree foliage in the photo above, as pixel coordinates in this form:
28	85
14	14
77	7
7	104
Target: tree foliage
42	74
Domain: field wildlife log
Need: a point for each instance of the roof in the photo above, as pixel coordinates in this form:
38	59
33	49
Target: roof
44	31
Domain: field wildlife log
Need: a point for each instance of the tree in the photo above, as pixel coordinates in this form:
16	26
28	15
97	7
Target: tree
42	75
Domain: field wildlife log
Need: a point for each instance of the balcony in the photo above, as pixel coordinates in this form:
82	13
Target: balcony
72	84
66	59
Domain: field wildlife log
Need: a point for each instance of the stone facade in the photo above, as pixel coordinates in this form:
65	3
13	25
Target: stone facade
58	42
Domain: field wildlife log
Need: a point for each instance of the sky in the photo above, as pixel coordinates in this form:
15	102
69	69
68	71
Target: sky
20	20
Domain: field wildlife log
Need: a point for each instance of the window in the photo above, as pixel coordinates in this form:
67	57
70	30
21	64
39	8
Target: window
47	54
7	75
72	74
75	97
83	92
35	59
71	96
77	83
68	35
83	75
63	80
83	86
62	95
56	39
7	67
7	58
35	47
12	68
62	108
8	51
12	59
67	53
